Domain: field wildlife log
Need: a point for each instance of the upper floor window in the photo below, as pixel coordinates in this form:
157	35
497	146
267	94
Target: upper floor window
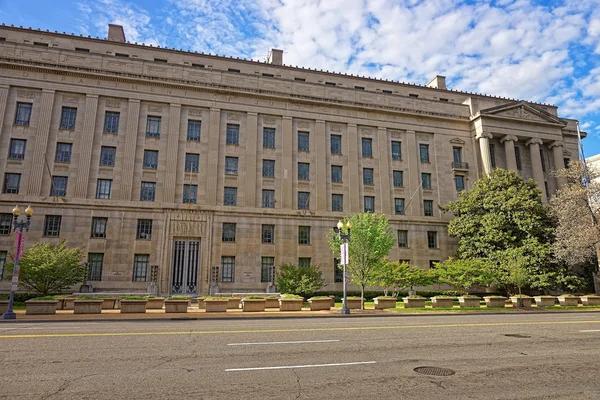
148	191
228	234
336	144
337	202
432	239
268	233
336	173
367	176
518	158
460	183
303	200
63	152
68	117
268	198
99	225
367	147
426	180
303	141
108	156
398	178
230	196
190	194
304	261
424	152
52	225
17	149
457	152
399	206
304	235
542	160
23	114
369	203
59	186
193	130
104	189
428	208
111	122
396	150
5	224
153	126
493	154
150	159
269	138
12	182
303	171
192	162
231	165
233	134
402	238
268	168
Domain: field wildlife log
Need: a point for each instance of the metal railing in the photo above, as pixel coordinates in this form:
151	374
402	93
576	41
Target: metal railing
460	165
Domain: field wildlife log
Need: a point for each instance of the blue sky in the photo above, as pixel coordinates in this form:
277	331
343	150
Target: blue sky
544	51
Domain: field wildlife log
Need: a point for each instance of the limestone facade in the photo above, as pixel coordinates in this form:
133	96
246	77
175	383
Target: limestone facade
122	125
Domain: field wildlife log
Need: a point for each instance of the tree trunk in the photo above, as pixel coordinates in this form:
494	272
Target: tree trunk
596	274
362	297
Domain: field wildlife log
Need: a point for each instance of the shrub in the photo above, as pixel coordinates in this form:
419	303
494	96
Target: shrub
290	296
255	297
44	298
133	298
299	280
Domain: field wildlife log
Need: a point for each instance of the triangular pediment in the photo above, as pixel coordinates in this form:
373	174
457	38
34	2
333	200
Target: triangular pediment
457	141
522	110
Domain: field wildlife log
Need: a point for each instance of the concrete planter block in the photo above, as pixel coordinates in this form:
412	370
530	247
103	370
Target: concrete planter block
3	306
69	303
290	304
108	303
590	300
201	304
176	306
353	304
253	305
234	303
133	306
88	306
516	301
469	302
381	303
569	301
415	302
495	301
441	303
60	304
319	304
155	303
216	305
332	297
272	303
40	307
545	301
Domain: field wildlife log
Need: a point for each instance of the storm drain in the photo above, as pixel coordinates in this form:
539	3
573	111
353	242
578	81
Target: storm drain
517	335
436	371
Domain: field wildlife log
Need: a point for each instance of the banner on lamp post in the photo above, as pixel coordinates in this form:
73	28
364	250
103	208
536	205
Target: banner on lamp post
344	254
19	242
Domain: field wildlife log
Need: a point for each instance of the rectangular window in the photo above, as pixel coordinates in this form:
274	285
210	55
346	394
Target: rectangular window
237	71
68	117
267	75
192	162
122	55
190	194
111	122
457	153
338	271
104	189
144	229
12	182
413	95
140	267
432	239
160	60
2	262
303	141
231	165
227	269
542	160
398	179
424	152
336	144
153	126
367	147
367	176
330	83
148	191
99	225
337	202
268	233
23	114
5	223
300	79
52	225
432	263
402	238
303	200
59	186
493	154
268	198
359	87
267	269
547	189
426	180
228	234
150	159
193	130
369	203
63	152
336	173
304	235
518	158
197	65
17	149
428	208
396	150
108	156
80	49
233	134
460	183
399	206
566	161
304	261
303	171
269	138
387	91
95	264
230	196
268	168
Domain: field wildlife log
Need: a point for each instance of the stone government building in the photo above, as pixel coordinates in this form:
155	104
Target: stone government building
204	170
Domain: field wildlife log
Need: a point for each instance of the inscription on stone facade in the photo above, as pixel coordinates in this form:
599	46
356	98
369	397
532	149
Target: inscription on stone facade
303	124
269	121
366	131
155	109
234	116
187	228
335	128
195	113
69	99
113	103
117	64
25	94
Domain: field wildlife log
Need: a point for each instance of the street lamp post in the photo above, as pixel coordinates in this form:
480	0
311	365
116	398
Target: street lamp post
345	238
18	227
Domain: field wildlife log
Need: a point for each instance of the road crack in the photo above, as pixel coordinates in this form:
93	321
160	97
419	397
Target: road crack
298	382
65	385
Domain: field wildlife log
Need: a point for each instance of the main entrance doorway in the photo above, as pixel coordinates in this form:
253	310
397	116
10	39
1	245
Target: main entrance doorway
184	272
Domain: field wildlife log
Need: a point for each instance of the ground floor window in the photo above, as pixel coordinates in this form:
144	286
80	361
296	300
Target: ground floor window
140	267
267	269
95	263
227	269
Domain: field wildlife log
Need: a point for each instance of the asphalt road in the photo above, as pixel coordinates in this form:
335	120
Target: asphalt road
493	357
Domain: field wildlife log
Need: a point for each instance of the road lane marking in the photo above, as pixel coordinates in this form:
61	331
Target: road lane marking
291	330
291	342
301	366
591	330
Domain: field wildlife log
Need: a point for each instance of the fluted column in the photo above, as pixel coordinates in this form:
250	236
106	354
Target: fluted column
214	142
509	150
321	187
287	167
484	146
87	143
384	170
536	164
133	116
352	167
172	152
414	176
41	143
250	174
559	161
3	102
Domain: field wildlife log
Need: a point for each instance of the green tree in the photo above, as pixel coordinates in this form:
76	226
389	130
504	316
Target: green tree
51	268
463	274
398	276
299	280
371	239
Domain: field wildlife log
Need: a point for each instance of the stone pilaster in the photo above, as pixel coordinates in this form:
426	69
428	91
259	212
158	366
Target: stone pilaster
87	143
172	152
214	140
412	176
484	146
352	168
41	144
3	102
557	148
131	133
509	150
384	170
287	167
249	175
536	164
321	187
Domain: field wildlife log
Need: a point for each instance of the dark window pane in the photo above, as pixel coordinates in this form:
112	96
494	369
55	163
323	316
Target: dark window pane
303	200
231	165
111	122
233	134
17	149
426	180
230	196
59	186
63	152
5	224
269	138
140	267
303	141
336	144
267	270
227	269
23	114
432	240
303	171
428	208
190	194
367	147
396	150
150	159
52	225
68	117
336	173
144	229
268	198
398	179
12	182
369	203
367	176
460	183
153	126
148	191
337	202
402	238
424	152
304	235
95	264
99	225
228	234
399	206
268	170
192	162
108	156
104	189
194	129
268	233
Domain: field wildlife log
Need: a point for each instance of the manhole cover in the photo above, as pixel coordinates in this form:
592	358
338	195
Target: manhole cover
517	335
436	371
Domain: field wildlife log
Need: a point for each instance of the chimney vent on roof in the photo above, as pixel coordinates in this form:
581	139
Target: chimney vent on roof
116	33
276	57
439	82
